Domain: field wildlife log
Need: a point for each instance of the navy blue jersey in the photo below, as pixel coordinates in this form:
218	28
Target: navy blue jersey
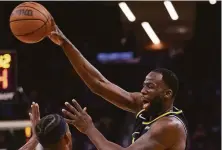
143	124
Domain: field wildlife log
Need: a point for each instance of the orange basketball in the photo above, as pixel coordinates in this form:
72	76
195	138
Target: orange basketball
30	22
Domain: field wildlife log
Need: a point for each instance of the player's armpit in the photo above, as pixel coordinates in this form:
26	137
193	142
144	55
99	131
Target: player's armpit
162	135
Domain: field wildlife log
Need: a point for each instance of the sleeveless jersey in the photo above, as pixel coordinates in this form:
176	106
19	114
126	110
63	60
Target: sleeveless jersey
143	125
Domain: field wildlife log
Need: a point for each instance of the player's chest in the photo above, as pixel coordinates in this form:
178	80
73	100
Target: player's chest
139	130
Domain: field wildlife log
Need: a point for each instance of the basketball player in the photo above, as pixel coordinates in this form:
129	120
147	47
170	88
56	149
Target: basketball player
159	126
51	131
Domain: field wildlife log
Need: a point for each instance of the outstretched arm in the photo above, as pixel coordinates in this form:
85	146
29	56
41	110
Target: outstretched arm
31	144
97	83
156	139
162	135
34	118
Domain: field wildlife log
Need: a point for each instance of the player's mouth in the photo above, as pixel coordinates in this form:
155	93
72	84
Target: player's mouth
146	106
146	103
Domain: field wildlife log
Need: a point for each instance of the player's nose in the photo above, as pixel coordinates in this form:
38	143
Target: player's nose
144	91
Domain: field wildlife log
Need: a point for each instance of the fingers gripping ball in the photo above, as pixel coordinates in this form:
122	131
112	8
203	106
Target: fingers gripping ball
30	22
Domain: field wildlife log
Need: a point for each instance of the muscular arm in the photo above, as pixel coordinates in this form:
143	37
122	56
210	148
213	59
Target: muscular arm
98	84
30	145
162	135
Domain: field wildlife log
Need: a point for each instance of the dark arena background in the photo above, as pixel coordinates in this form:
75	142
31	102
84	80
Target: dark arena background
122	51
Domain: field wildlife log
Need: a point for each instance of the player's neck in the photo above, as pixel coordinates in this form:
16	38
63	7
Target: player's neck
57	147
166	108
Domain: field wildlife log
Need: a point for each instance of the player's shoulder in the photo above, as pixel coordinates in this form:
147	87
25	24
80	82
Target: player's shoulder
165	131
168	124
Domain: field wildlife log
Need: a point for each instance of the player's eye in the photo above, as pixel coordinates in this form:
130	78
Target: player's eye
144	84
150	85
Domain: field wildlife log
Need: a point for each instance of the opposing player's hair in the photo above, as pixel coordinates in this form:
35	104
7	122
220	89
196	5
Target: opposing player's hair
50	129
170	79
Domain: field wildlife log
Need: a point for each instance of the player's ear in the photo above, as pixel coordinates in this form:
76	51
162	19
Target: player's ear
168	93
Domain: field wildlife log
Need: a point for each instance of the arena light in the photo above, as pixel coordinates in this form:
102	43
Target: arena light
212	2
28	132
171	10
150	32
126	10
15	124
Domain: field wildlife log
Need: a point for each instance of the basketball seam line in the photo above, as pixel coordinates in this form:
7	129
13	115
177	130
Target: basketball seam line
25	19
32	31
37	28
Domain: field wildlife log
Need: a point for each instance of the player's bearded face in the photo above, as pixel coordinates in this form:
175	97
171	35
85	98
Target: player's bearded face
155	107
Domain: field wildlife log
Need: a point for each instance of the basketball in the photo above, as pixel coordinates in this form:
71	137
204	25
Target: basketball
30	22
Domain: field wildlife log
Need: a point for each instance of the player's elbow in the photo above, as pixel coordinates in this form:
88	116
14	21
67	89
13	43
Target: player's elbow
112	146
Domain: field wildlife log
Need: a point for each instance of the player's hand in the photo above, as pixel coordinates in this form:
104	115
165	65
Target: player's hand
56	35
34	116
78	117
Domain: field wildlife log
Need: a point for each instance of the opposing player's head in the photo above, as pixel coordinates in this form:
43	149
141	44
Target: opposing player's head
159	89
53	133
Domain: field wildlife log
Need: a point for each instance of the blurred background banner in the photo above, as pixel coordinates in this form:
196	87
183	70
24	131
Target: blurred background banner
124	41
